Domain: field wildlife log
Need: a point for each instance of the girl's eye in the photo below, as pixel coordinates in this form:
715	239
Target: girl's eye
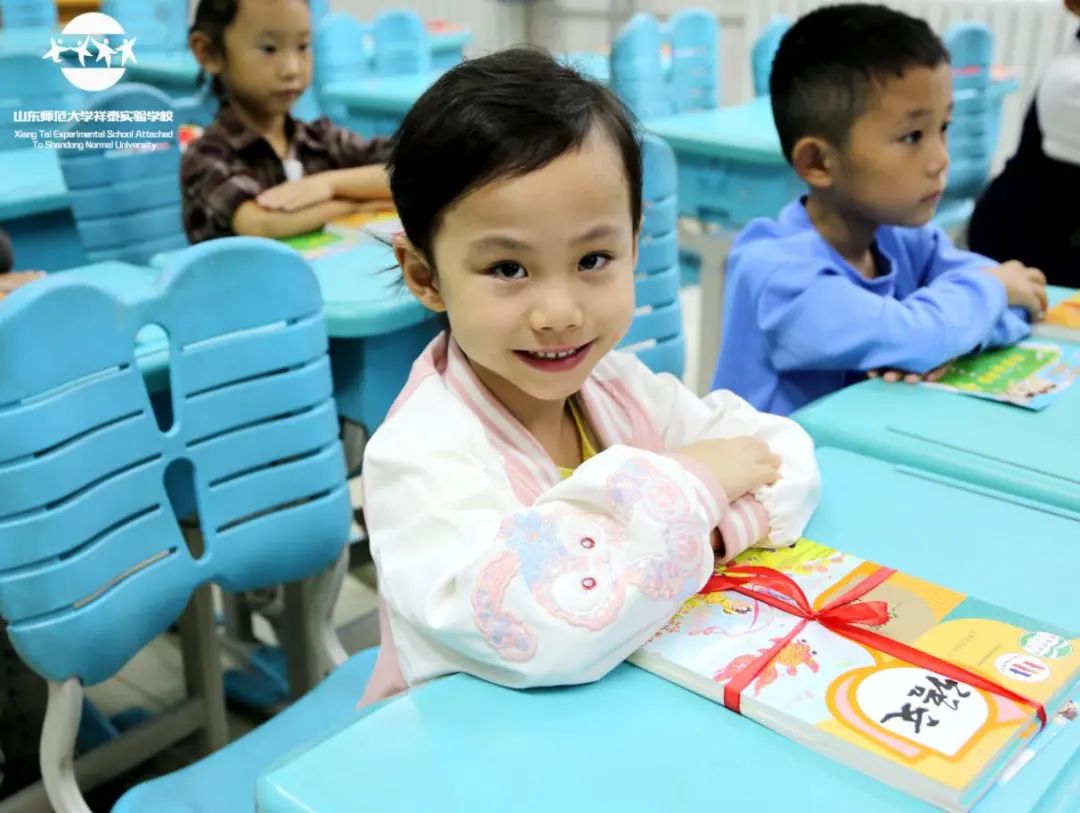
269	49
304	46
945	127
594	262
508	271
913	138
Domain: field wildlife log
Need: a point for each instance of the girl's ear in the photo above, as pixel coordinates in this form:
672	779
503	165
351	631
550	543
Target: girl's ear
207	54
419	275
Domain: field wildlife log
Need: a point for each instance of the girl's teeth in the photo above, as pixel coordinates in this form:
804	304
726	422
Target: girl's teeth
553	356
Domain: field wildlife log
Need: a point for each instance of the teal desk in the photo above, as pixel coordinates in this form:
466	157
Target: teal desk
35	212
1030	454
637	744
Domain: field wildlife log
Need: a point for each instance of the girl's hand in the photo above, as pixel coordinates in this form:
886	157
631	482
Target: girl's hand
16	279
742	464
293	195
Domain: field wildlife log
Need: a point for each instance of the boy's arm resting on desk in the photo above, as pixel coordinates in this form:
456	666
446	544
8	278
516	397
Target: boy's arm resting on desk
254	220
942	258
684	419
556	592
827	322
362	183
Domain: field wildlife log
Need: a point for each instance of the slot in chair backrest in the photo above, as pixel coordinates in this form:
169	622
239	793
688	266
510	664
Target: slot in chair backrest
401	44
971	135
159	26
93	564
694	35
30	83
656	333
127	202
764	52
28	13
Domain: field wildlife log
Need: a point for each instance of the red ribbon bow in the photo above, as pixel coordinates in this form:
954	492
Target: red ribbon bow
842	616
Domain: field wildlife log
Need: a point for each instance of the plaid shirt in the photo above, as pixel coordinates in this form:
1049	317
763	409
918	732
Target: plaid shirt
230	163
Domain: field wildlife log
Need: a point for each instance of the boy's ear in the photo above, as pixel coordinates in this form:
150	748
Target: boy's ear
206	53
418	274
814	160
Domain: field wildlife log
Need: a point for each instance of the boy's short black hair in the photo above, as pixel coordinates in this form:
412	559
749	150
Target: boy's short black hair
829	61
499	116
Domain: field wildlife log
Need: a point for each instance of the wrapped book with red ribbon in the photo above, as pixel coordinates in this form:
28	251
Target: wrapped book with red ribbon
920	686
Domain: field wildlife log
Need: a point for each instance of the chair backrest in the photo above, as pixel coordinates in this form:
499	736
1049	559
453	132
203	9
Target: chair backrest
695	58
93	483
28	13
401	44
342	50
656	334
972	134
159	26
126	202
764	51
30	84
638	75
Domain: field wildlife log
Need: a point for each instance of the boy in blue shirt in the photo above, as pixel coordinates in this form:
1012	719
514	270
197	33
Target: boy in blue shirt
851	280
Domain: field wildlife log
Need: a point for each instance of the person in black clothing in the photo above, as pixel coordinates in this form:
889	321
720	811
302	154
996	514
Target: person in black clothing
1031	211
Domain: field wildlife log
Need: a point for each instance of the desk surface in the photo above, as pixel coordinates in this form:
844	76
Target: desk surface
32	183
1032	454
633	742
744	132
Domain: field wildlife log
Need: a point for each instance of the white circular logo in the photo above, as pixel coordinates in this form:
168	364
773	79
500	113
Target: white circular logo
1024	668
100	47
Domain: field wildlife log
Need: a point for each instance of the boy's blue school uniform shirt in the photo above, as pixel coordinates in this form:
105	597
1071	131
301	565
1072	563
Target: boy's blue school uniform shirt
801	322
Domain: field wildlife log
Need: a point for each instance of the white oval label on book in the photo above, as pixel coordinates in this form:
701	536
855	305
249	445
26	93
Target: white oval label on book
923	707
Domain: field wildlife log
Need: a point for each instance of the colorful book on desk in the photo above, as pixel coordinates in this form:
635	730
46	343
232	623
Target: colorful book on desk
1061	321
924	688
1029	374
317	244
381	224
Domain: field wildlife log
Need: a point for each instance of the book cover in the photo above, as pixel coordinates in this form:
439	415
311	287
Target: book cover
1062	321
925	688
1030	374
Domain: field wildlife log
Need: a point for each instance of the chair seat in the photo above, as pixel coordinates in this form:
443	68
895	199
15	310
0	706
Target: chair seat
225	780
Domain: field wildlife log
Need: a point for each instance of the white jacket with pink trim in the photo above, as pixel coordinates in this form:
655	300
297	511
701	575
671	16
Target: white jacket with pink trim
489	563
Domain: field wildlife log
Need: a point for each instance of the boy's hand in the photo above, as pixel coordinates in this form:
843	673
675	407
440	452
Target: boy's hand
892	376
9	282
742	464
1025	287
293	195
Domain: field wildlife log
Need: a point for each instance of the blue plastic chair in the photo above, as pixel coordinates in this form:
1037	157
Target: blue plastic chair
638	76
95	483
972	137
29	83
401	44
159	26
127	202
656	333
28	13
694	35
342	53
764	52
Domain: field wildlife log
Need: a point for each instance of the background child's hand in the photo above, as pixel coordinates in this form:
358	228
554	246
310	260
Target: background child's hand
892	376
293	195
742	464
1025	287
9	282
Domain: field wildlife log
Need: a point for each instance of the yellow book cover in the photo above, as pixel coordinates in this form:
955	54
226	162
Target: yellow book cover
930	690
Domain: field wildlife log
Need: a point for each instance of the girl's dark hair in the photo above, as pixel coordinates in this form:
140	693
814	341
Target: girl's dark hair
498	116
212	17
